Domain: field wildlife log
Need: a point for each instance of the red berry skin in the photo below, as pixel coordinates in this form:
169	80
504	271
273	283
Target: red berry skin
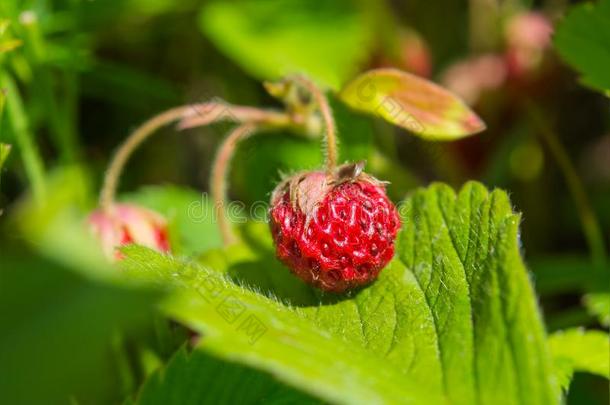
346	238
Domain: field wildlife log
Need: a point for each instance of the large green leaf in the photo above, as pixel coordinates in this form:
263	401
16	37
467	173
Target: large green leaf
464	252
452	318
411	102
244	326
578	350
272	38
197	378
583	40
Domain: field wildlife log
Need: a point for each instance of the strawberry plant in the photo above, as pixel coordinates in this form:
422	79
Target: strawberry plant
392	212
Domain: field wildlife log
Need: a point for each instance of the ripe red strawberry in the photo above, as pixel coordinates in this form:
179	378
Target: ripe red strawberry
336	231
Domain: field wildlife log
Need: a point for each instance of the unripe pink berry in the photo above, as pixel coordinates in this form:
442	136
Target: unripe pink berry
123	224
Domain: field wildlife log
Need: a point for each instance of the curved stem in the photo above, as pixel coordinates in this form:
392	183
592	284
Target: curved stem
117	164
588	219
190	116
329	122
206	113
220	174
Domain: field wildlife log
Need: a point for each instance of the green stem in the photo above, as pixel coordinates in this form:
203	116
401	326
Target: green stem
588	219
329	122
219	178
17	118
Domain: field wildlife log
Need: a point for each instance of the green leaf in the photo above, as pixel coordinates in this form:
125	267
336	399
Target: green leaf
272	38
583	40
56	329
453	317
577	350
598	304
244	326
197	378
464	253
413	103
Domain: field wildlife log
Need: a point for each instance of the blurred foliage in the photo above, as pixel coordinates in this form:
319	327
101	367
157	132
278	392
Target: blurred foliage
272	38
54	325
5	149
599	305
581	39
197	378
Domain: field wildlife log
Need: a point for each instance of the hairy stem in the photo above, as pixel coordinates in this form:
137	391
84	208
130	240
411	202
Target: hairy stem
586	213
127	148
190	116
206	113
220	175
329	122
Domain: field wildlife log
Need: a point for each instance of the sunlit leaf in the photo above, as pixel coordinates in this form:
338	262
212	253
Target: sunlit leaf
413	103
577	350
583	40
272	38
453	317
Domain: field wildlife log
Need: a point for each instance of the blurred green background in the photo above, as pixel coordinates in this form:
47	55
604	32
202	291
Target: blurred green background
77	76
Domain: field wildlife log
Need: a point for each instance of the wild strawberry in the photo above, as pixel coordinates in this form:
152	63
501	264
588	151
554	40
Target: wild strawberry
335	231
123	224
